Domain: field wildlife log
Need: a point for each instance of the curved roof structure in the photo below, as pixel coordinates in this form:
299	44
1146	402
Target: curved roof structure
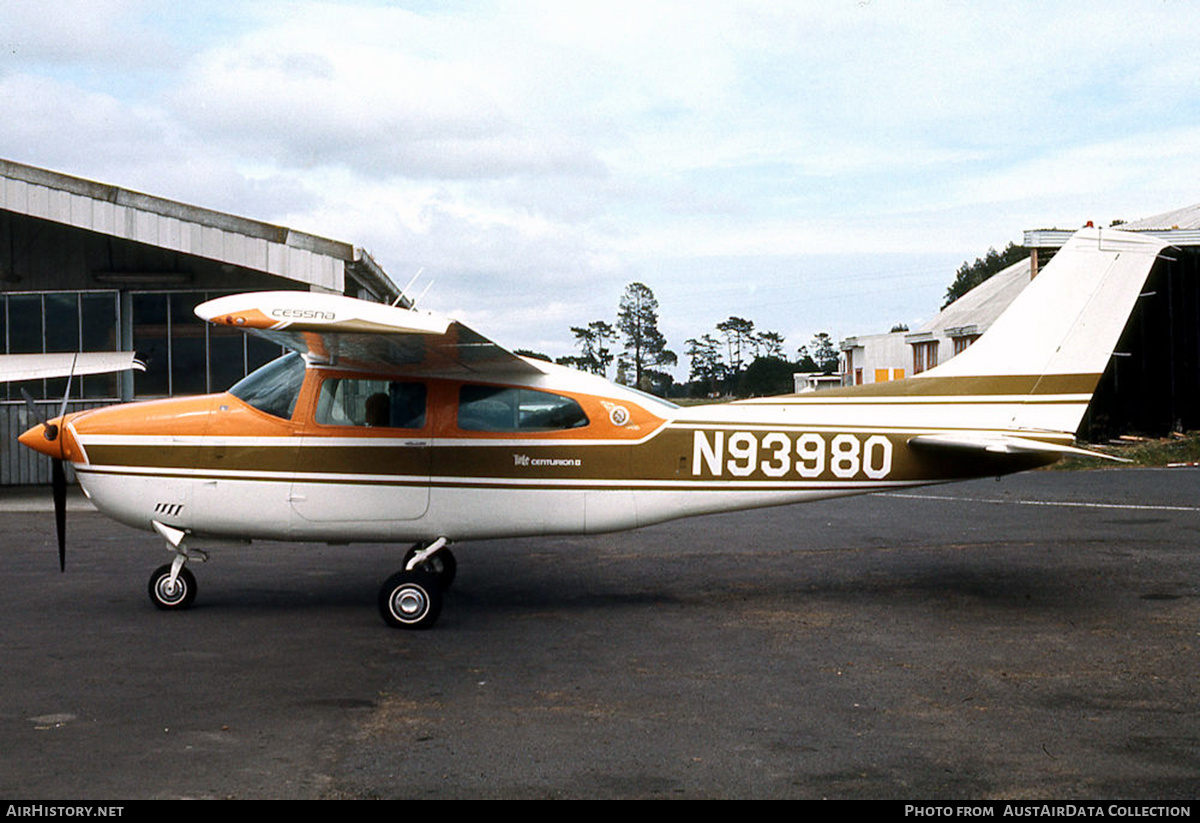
316	262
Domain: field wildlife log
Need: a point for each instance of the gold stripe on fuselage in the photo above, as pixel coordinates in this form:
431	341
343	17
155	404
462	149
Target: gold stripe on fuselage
682	455
835	442
965	388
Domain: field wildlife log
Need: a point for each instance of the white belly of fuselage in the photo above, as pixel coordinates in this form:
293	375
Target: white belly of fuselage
265	508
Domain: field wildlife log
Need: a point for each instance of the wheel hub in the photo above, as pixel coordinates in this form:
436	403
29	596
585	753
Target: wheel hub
409	603
171	592
410	600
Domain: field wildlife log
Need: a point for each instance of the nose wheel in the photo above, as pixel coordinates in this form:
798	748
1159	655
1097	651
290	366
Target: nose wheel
172	587
172	593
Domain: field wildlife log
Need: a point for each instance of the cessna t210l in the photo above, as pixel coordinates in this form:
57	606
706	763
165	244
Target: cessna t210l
389	424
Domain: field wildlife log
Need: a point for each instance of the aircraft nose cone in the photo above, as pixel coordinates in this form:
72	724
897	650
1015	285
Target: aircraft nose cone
45	438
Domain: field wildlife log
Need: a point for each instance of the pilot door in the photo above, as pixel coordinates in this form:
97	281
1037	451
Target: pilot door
366	459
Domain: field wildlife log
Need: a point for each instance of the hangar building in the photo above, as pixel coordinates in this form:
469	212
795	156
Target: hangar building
91	267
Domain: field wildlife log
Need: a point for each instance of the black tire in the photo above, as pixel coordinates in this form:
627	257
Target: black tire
177	600
410	600
441	565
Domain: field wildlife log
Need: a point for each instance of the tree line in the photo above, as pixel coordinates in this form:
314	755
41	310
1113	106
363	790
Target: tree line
737	360
971	275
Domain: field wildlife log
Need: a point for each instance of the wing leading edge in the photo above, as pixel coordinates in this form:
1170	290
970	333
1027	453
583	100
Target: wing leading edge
360	334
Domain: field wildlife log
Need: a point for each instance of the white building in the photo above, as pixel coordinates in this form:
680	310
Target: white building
875	358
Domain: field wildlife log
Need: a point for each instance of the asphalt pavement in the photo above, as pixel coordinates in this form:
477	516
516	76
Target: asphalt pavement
1034	638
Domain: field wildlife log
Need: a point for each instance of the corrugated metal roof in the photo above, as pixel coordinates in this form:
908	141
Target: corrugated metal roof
1186	218
983	304
226	238
1180	227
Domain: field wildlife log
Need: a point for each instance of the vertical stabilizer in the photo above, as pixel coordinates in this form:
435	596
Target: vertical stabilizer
1054	341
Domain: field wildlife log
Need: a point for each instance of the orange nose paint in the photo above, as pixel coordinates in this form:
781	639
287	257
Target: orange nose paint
50	439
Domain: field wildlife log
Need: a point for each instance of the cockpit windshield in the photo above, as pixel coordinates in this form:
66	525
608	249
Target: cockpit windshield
273	388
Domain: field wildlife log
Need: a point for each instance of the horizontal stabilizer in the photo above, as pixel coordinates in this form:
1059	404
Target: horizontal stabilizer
983	443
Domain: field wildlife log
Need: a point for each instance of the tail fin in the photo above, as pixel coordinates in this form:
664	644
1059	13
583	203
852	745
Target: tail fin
1054	341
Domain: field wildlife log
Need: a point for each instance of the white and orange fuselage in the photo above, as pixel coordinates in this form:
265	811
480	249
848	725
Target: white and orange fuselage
493	445
386	424
216	466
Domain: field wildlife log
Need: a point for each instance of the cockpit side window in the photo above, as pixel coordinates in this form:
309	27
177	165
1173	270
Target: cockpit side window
273	388
352	401
499	409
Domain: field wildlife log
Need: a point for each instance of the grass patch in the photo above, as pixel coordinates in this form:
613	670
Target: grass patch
1141	452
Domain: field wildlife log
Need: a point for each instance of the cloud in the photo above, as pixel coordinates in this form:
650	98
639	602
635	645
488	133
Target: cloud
549	153
74	33
383	93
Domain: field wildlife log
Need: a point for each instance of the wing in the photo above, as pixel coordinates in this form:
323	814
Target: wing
37	366
357	333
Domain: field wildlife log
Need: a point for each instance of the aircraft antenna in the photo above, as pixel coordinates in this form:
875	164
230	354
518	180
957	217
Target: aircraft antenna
422	297
404	290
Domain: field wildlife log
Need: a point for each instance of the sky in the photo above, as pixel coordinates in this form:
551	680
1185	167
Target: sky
809	166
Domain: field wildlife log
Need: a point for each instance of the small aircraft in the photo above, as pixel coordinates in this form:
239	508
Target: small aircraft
391	424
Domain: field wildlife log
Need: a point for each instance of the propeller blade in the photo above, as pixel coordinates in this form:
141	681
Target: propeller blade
58	480
51	432
58	474
67	394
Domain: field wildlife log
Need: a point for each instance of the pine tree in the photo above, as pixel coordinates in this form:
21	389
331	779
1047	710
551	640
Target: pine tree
594	354
707	367
970	276
645	346
739	336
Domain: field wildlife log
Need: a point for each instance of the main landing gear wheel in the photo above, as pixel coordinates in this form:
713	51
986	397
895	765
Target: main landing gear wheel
170	597
441	565
411	600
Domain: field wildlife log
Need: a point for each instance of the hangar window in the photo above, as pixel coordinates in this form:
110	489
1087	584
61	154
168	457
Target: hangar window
185	355
499	409
46	322
346	401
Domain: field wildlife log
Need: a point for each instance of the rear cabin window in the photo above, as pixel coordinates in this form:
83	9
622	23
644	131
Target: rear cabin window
496	409
273	388
352	401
